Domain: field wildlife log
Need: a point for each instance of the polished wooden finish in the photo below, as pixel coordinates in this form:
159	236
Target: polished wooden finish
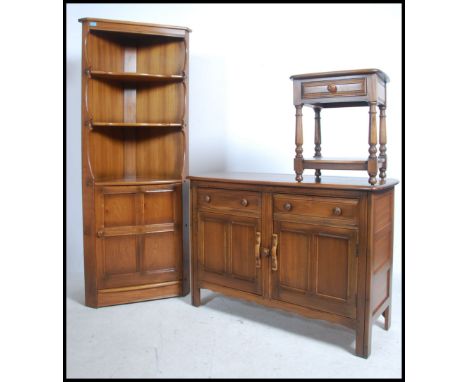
322	249
134	138
365	87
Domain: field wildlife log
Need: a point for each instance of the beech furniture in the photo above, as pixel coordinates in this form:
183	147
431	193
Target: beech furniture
134	160
363	87
319	249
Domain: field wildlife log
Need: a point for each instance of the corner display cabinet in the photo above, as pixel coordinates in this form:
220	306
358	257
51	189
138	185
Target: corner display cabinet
134	160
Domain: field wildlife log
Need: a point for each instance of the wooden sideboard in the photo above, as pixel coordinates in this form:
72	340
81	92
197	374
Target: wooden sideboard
319	249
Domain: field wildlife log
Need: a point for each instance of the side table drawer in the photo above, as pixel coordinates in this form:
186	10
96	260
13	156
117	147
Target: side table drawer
213	198
339	209
350	87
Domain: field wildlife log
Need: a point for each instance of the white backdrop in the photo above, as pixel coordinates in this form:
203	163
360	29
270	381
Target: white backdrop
241	111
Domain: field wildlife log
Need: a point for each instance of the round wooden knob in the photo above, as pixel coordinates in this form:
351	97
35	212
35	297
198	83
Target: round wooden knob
207	198
100	233
244	202
337	211
332	88
287	206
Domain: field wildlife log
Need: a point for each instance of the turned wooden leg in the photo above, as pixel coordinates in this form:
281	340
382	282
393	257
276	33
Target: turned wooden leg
318	139
196	296
387	315
372	161
363	339
383	142
298	160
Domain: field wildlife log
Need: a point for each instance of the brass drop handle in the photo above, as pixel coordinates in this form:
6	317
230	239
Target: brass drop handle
100	233
332	88
274	258
337	211
258	240
287	206
244	202
207	198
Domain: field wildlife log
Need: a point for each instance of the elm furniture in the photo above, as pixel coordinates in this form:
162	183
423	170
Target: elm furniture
364	87
134	160
319	249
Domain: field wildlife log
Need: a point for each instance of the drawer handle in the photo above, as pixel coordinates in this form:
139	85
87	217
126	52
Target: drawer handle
287	206
100	233
274	258
245	202
258	240
332	88
337	211
207	198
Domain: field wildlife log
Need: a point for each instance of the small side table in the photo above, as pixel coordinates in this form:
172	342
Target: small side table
364	87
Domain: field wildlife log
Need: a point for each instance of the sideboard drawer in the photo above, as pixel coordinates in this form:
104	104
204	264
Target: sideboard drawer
334	88
228	199
344	210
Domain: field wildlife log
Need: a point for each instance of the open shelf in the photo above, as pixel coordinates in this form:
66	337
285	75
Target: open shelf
329	163
135	124
133	181
136	77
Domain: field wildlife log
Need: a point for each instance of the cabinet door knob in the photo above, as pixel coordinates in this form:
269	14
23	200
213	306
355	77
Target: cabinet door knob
207	198
337	211
244	202
100	233
287	206
332	88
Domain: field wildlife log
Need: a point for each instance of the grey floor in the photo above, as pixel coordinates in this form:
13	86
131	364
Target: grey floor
224	337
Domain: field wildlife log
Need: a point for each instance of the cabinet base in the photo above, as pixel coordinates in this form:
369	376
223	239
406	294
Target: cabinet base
106	297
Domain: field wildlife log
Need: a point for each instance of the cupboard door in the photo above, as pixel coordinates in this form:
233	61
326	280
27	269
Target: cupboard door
229	251
316	266
139	238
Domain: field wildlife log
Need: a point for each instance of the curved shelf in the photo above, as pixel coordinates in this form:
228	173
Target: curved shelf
132	124
136	77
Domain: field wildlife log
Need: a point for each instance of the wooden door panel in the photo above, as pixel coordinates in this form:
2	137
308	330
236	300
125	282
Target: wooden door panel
316	267
242	250
214	245
332	267
161	253
139	235
226	251
120	209
294	249
159	206
120	255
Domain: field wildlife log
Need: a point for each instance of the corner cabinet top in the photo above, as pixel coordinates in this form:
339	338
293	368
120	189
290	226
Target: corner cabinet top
341	73
134	27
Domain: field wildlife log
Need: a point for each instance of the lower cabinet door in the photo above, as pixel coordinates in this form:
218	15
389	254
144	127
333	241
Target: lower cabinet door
228	251
139	238
316	267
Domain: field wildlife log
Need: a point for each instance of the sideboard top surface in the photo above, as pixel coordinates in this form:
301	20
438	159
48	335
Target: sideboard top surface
335	182
341	73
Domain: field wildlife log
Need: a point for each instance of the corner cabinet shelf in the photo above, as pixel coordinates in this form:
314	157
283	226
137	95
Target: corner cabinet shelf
134	140
133	124
135	77
363	87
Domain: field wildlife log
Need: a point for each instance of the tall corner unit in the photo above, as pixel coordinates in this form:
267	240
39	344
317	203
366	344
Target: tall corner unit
134	160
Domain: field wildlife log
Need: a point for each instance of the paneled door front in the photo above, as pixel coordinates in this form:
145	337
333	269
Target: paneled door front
315	266
139	235
229	251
